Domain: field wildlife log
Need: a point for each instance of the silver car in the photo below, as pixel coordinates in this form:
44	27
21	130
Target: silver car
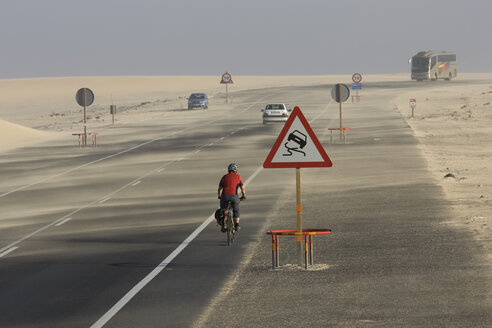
198	100
275	112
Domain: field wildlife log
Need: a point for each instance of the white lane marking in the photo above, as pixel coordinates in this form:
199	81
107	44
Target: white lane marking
47	226
11	249
197	151
95	161
62	222
322	112
161	168
138	287
106	197
222	138
255	173
136	183
104	200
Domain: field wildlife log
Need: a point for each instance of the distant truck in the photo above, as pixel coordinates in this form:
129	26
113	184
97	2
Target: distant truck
433	65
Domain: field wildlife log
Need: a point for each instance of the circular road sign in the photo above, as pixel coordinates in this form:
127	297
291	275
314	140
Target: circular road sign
356	78
340	92
226	78
89	97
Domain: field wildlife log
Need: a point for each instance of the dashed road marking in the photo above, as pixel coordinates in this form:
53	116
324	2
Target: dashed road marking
62	222
10	250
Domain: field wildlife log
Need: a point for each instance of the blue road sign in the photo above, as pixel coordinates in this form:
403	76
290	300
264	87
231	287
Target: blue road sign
356	86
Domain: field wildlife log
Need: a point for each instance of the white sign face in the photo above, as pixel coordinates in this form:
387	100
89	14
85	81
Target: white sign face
356	78
297	146
226	78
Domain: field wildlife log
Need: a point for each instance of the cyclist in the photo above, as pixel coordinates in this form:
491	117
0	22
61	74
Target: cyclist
228	192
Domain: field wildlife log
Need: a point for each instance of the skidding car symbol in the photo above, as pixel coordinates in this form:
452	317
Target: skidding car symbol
296	140
298	137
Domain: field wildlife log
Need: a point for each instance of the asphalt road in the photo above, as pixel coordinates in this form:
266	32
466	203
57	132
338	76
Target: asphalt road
101	237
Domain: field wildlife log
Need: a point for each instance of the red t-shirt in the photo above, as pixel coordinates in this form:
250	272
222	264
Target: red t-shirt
230	182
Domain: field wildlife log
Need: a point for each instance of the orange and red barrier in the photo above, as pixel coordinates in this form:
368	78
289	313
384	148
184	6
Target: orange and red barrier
308	243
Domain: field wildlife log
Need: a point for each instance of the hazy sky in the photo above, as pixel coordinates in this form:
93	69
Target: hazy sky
45	38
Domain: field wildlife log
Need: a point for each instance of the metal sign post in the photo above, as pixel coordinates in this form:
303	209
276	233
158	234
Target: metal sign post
357	85
112	110
85	118
340	109
226	79
340	93
413	104
297	146
299	215
84	97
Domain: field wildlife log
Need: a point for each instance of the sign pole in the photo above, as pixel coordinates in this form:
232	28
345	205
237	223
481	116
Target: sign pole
84	98
226	79
85	120
340	106
113	109
299	215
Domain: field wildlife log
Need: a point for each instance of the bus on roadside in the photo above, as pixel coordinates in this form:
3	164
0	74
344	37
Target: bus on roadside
433	65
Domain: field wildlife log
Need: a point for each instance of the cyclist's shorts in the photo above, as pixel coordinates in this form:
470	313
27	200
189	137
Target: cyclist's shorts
235	203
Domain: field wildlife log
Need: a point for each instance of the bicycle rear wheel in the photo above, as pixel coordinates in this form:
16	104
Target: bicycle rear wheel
230	225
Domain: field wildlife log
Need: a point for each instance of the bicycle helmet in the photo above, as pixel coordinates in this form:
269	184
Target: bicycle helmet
232	167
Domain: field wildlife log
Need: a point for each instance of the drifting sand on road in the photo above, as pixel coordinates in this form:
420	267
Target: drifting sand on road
452	122
48	104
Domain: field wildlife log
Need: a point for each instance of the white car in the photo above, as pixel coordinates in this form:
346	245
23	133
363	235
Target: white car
275	112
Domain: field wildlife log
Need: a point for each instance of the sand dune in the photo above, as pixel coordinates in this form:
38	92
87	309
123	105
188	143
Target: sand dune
14	135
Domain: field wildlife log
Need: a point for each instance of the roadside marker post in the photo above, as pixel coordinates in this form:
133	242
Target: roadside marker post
297	146
357	85
112	110
413	104
226	79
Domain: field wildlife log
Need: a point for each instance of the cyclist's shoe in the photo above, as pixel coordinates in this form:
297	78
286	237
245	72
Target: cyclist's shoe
236	226
223	228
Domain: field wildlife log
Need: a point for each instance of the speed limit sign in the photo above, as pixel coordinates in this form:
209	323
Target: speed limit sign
356	78
226	78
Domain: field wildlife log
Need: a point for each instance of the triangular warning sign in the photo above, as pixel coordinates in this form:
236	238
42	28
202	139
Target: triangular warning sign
297	146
